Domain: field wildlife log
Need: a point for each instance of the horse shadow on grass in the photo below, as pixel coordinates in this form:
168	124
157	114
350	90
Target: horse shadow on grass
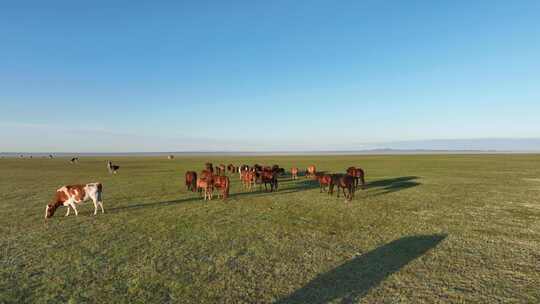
389	185
352	280
257	192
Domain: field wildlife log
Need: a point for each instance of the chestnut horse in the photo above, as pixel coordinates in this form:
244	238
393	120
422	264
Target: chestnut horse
311	171
222	183
357	174
248	179
325	180
191	181
294	173
205	184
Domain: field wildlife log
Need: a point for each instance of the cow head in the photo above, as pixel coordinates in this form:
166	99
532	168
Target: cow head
49	210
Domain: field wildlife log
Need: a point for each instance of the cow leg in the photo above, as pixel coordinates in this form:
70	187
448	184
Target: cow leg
95	206
72	204
100	203
68	209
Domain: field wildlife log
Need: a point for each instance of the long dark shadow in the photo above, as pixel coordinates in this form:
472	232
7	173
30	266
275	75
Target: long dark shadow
352	280
394	184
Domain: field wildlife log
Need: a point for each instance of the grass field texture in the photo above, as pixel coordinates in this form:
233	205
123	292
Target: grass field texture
440	228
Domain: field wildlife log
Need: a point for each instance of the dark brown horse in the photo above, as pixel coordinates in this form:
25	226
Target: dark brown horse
209	167
191	181
343	181
222	184
269	177
357	174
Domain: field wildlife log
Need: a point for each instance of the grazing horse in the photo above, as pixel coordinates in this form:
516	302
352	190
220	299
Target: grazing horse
294	173
205	184
268	177
191	181
343	181
222	183
357	174
311	171
209	167
231	168
325	180
248	179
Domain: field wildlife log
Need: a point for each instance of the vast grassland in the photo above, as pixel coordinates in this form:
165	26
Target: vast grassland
459	228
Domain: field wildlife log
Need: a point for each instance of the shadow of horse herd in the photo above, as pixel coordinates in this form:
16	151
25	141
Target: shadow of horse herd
218	179
212	179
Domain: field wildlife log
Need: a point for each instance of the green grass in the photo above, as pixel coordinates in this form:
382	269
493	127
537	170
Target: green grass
459	228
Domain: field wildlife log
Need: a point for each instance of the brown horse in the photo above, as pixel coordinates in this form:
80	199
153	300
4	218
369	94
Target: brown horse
206	173
357	174
311	171
222	183
294	173
343	181
206	185
231	168
269	177
191	181
325	180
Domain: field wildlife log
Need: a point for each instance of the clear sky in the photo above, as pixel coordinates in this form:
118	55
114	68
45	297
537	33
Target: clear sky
105	76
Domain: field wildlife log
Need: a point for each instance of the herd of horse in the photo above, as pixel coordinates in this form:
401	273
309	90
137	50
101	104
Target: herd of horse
212	179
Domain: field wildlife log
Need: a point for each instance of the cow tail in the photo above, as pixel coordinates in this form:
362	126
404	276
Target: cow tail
99	191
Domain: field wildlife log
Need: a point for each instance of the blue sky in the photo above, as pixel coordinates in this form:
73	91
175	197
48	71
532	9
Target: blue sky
109	76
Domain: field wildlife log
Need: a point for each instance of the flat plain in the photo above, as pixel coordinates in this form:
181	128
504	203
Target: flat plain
427	228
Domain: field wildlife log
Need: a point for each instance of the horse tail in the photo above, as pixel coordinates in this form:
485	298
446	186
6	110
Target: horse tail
362	178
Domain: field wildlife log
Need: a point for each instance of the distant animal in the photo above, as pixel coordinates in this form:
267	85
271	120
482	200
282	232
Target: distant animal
209	167
294	173
269	178
51	156
171	157
71	195
112	168
222	183
231	168
191	181
310	171
357	174
343	181
325	181
75	160
205	184
220	170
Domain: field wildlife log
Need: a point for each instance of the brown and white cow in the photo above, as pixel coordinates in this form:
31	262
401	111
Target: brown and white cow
71	195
